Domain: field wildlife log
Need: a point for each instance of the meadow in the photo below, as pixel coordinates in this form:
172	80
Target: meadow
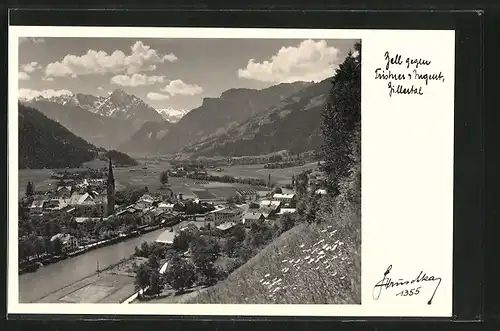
148	174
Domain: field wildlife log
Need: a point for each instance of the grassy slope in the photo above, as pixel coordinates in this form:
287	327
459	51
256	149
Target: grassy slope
334	279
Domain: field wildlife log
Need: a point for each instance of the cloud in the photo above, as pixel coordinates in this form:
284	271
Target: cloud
27	69
141	58
29	94
177	86
170	57
23	76
34	40
136	80
48	79
30	67
100	88
309	61
157	96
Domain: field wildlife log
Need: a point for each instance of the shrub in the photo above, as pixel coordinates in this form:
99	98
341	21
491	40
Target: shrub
180	274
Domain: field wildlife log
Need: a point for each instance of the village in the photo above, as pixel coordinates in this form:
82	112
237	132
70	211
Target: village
84	212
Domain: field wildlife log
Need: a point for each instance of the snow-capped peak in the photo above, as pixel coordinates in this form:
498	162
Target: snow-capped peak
172	115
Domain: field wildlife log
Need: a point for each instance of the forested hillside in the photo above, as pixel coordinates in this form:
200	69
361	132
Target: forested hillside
44	143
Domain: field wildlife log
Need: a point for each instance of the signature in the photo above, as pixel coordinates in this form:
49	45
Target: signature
421	279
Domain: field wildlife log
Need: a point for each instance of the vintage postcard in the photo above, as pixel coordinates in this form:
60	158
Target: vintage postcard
196	171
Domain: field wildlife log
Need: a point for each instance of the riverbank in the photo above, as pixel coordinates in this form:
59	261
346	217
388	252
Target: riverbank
112	285
52	278
32	265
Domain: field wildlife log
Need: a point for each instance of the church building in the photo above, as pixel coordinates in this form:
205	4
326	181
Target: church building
110	190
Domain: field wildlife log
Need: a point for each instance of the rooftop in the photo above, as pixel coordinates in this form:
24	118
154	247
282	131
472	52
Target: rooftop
86	219
166	237
252	216
37	204
226	226
283	196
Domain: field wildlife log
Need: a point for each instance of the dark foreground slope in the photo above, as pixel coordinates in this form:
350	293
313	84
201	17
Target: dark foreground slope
44	143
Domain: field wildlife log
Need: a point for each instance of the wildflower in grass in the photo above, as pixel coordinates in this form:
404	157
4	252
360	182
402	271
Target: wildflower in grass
333	248
284	261
319	258
342	277
329	227
276	289
307	257
321	253
317	268
267	275
302	246
328	266
319	242
323	231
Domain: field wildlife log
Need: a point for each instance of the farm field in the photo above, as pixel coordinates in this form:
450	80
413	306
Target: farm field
138	177
278	176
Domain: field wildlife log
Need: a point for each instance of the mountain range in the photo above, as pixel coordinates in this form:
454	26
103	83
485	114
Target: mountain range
144	140
239	122
44	143
294	124
172	115
218	115
103	121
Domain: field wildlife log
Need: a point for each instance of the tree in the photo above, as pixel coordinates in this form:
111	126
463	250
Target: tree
38	245
30	190
286	222
153	262
56	246
156	282
184	237
180	274
204	250
340	117
142	276
164	177
238	232
206	274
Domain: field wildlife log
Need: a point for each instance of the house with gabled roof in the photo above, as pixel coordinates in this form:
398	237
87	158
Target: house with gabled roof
87	205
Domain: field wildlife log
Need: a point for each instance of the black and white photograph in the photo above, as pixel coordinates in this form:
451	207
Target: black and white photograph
189	170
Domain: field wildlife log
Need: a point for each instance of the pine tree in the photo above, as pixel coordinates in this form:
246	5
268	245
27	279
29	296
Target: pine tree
30	190
340	116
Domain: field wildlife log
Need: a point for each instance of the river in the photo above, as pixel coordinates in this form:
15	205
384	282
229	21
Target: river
50	278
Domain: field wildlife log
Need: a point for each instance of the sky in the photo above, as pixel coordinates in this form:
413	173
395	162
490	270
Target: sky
171	73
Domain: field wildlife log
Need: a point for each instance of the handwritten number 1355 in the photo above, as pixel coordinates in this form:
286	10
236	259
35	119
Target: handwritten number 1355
413	291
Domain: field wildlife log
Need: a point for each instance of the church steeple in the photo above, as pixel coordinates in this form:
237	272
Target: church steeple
111	190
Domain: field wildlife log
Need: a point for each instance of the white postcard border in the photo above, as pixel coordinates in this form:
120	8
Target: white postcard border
413	232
